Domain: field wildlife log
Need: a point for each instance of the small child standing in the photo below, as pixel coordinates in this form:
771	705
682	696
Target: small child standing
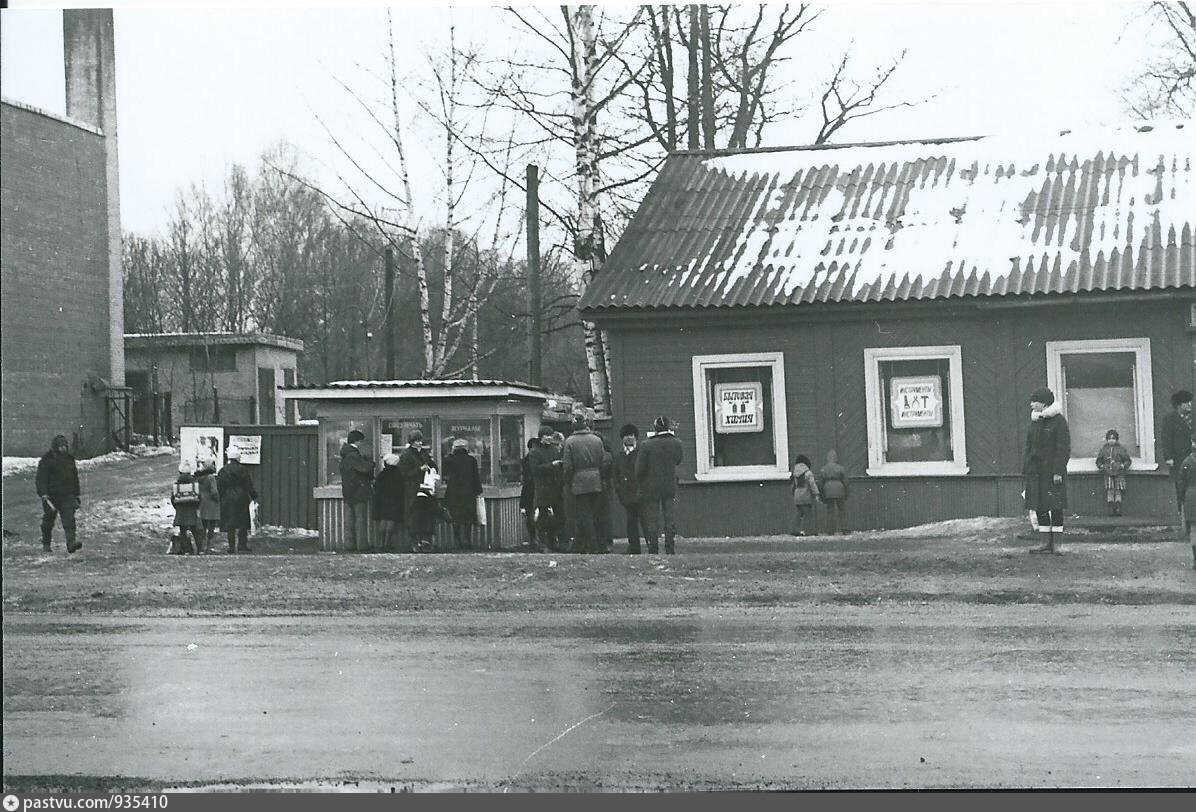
805	492
1187	496
834	492
184	495
1113	461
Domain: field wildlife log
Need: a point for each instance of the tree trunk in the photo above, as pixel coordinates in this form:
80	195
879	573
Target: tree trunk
693	95
707	81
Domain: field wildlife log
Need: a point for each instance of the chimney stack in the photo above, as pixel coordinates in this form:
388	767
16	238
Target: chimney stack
89	52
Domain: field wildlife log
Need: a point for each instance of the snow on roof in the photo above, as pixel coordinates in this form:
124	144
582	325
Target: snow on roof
1064	212
135	340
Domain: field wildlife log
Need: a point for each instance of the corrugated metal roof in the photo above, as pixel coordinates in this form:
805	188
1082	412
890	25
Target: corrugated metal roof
1065	213
137	340
416	384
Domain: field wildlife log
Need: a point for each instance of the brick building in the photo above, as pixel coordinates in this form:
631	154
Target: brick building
792	301
221	378
60	275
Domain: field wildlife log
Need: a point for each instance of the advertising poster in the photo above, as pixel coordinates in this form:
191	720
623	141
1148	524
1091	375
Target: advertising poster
916	402
202	445
250	446
737	408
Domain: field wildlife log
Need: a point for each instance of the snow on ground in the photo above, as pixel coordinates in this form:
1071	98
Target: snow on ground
287	532
18	465
148	513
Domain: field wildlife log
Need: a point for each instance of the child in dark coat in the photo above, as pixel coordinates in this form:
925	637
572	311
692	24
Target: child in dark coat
185	498
1113	461
833	485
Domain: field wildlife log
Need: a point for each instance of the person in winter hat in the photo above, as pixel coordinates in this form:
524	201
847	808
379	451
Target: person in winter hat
1048	450
805	492
236	494
583	461
656	474
832	480
209	502
186	510
357	477
58	488
1113	461
463	481
388	503
419	512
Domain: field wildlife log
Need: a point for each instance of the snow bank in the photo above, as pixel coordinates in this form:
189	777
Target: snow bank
18	465
287	532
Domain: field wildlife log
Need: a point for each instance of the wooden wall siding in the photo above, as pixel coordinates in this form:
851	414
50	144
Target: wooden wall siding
1004	360
504	528
287	475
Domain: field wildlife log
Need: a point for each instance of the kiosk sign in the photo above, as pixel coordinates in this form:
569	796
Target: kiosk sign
250	446
916	402
738	408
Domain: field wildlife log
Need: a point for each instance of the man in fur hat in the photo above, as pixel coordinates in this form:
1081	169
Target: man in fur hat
1048	449
656	474
58	488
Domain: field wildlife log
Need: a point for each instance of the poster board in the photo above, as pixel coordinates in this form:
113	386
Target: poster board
250	446
916	402
738	407
202	444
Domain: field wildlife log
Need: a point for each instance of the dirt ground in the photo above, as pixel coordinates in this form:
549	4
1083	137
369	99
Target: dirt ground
950	658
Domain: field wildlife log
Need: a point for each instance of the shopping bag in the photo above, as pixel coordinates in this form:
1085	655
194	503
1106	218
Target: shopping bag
481	508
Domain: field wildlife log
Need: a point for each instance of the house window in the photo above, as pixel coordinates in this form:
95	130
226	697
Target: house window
476	433
915	411
1104	384
336	434
214	359
739	417
510	449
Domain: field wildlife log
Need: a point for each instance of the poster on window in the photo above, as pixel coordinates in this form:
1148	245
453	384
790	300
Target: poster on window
250	446
916	402
203	446
738	408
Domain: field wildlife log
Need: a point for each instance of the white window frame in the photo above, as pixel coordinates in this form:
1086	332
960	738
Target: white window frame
873	356
1084	460
703	430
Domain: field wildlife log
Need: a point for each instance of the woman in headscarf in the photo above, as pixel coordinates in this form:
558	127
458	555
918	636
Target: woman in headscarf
464	486
388	503
236	493
1048	449
209	503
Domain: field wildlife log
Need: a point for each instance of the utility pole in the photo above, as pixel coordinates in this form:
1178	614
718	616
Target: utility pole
390	313
535	330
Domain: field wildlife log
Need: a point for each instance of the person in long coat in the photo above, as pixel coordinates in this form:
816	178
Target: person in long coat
548	512
1187	495
236	493
1048	449
527	493
58	488
388	504
656	470
627	486
464	486
414	461
209	503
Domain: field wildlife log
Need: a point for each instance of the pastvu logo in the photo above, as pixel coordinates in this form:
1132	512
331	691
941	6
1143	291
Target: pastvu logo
11	803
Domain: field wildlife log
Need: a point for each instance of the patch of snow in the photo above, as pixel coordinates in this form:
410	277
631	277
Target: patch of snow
17	465
287	532
153	514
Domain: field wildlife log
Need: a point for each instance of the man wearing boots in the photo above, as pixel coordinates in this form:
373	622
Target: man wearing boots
58	487
582	460
656	472
626	485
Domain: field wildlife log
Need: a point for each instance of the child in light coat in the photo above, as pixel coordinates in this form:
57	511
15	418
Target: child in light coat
1113	461
805	493
833	480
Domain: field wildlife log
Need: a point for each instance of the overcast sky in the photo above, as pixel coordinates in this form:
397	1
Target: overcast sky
200	87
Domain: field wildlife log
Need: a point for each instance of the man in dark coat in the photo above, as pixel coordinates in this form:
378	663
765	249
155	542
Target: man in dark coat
1048	449
414	462
582	458
1175	438
527	493
357	475
58	488
236	492
464	486
656	474
626	485
545	464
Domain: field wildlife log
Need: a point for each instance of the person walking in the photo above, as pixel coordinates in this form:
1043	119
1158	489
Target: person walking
1048	449
1175	437
464	486
209	504
805	493
236	493
388	504
582	459
544	462
185	497
414	462
58	488
627	487
357	477
656	473
832	483
527	493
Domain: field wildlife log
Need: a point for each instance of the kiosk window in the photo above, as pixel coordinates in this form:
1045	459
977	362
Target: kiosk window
396	432
510	450
336	432
476	434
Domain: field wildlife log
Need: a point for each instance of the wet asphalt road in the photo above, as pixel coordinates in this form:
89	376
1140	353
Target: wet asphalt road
823	696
